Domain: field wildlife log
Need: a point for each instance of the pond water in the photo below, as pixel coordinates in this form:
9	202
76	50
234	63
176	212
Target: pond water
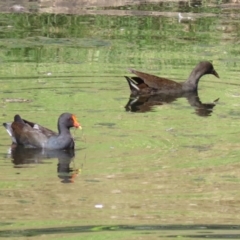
144	168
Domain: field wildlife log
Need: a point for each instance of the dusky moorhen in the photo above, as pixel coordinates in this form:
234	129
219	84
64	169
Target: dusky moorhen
145	84
30	134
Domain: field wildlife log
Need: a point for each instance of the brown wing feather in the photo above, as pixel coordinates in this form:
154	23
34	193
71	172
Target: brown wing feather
156	82
42	129
26	135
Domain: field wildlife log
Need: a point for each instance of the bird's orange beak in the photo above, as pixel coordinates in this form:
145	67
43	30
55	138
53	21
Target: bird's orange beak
76	124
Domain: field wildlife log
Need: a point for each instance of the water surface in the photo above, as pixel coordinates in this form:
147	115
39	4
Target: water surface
154	169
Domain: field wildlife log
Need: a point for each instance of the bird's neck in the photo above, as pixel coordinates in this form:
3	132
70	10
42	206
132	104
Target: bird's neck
62	129
193	79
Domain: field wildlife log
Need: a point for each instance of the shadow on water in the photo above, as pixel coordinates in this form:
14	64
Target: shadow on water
23	157
187	231
146	103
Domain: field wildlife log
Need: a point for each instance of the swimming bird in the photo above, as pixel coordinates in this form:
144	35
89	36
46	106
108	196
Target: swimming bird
30	134
145	84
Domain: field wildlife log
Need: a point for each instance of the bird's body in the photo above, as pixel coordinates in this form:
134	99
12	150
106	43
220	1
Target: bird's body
146	83
30	134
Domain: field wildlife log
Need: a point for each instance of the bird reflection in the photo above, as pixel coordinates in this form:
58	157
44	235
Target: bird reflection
147	102
22	157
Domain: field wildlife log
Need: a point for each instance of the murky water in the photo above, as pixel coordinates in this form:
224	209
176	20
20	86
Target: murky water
143	168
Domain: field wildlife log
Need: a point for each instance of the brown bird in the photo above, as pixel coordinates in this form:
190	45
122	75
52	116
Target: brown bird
30	134
145	84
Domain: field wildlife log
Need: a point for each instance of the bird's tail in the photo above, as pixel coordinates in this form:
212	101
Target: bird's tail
133	86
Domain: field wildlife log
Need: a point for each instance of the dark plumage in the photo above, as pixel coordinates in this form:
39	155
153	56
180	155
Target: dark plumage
146	83
30	134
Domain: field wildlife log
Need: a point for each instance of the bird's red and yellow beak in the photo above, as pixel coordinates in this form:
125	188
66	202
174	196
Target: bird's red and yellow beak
76	124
